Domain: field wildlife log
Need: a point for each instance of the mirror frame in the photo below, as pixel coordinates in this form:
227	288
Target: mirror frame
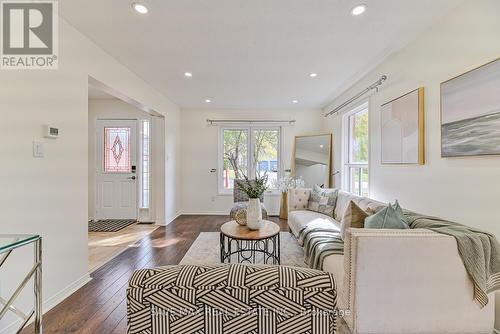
330	160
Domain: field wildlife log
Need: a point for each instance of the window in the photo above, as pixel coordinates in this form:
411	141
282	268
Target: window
355	157
117	150
250	151
145	177
235	155
265	154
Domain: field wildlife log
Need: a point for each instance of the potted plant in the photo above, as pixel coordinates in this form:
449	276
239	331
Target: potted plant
283	184
255	190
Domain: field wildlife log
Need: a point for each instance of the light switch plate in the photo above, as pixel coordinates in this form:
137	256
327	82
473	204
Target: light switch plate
38	149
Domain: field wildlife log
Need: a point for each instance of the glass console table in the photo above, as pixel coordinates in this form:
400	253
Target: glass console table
8	243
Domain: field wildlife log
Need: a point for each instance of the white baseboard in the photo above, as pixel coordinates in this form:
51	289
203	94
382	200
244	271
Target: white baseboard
205	213
52	301
216	213
160	222
66	292
171	219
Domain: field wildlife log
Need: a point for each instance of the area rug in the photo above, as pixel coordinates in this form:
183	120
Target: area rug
206	250
110	225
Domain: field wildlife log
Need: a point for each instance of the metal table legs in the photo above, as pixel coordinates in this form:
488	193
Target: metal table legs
36	274
38	287
248	251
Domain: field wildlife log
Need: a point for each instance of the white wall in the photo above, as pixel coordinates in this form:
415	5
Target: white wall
461	189
157	186
49	196
199	143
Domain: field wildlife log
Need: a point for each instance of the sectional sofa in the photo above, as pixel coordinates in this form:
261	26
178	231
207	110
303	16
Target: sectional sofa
396	281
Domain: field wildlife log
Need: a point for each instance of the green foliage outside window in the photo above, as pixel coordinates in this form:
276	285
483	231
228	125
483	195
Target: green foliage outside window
265	147
360	133
235	151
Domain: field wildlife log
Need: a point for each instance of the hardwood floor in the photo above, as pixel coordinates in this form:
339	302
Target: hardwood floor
100	306
103	246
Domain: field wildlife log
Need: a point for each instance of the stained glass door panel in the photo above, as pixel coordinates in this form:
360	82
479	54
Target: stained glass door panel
117	150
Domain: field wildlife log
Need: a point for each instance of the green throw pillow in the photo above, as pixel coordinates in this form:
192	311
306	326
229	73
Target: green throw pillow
390	217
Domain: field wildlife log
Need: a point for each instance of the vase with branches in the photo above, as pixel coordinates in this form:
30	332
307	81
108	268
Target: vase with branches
288	182
255	190
283	185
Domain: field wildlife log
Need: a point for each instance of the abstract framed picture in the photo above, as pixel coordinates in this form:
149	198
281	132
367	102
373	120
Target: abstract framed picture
470	113
402	124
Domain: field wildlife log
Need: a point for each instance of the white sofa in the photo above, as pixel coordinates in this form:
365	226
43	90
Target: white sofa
396	281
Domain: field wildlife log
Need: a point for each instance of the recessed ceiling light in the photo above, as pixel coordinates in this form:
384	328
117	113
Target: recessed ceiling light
295	101
208	100
321	146
188	74
358	10
140	8
313	75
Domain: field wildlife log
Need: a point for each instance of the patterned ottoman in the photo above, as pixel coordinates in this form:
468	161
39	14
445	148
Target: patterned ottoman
236	298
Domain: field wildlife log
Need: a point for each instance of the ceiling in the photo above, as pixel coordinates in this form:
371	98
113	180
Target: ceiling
97	94
252	54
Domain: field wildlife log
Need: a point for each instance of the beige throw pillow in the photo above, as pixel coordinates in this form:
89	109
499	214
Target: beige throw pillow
354	217
323	200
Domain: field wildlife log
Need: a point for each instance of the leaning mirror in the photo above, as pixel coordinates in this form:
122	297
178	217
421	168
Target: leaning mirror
312	159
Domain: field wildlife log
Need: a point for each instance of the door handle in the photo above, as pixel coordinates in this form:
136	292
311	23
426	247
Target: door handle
132	178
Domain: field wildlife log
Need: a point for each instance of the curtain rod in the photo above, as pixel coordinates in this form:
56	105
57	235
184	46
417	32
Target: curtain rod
373	86
250	121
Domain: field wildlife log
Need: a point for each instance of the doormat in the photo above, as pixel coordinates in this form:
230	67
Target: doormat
146	223
110	225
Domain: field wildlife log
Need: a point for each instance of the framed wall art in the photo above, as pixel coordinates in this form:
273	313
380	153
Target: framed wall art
470	113
402	124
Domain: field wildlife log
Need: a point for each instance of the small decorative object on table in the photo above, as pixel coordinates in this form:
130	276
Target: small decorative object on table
241	216
254	190
283	184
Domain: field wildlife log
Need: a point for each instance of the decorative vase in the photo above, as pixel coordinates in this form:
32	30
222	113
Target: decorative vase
284	205
254	214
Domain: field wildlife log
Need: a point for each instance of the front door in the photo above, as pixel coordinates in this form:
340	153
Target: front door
116	169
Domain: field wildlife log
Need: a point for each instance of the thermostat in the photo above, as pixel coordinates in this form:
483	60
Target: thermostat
50	132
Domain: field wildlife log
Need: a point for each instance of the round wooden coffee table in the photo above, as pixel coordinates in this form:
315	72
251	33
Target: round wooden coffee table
262	245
